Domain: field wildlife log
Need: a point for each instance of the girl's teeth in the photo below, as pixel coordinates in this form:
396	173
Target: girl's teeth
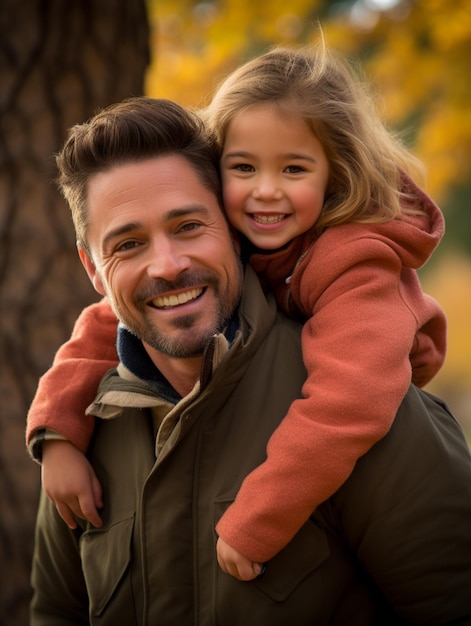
268	219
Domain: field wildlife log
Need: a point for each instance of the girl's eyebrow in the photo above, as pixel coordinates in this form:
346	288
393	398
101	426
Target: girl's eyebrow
299	156
239	154
289	155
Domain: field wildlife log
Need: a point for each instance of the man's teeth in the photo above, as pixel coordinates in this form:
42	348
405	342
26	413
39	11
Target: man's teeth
175	299
263	218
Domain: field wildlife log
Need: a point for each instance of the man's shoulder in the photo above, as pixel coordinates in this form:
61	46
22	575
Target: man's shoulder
425	448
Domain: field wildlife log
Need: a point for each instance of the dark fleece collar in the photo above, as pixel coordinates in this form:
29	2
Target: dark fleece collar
134	357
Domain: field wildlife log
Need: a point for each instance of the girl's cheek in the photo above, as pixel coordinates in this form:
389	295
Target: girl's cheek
227	198
232	208
233	197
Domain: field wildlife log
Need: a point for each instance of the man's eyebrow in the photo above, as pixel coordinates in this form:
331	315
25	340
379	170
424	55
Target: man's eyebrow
186	210
120	230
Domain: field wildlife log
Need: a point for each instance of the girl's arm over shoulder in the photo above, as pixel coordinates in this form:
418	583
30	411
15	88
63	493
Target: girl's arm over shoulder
363	311
69	386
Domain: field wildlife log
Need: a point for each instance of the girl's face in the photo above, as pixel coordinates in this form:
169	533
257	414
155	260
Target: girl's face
274	174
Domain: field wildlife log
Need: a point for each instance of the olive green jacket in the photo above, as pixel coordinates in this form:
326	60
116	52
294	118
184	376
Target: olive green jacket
392	546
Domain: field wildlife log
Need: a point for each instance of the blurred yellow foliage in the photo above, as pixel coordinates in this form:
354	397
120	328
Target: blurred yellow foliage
450	284
195	44
415	53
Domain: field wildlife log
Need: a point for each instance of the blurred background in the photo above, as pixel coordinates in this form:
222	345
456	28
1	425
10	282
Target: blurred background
60	61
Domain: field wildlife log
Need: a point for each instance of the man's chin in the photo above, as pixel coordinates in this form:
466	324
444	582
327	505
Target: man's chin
188	344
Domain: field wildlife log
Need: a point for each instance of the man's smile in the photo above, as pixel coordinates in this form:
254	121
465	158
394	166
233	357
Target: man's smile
169	301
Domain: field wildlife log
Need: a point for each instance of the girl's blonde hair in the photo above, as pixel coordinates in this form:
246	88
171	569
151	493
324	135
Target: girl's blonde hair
366	161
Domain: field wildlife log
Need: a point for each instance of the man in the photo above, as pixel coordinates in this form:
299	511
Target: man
189	410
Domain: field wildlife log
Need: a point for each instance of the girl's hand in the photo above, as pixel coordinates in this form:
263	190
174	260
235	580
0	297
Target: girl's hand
232	562
70	483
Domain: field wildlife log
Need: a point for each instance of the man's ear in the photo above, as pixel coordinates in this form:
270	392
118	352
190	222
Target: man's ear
91	270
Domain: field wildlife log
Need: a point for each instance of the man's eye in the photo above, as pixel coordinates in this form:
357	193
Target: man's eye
126	245
189	227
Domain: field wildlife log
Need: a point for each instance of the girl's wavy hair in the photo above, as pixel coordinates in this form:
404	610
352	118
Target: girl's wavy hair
133	130
367	162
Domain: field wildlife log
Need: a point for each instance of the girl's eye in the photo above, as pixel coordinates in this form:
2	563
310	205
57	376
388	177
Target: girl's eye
294	169
244	167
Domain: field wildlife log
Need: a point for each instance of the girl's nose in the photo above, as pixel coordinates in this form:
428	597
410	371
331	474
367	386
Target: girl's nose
267	189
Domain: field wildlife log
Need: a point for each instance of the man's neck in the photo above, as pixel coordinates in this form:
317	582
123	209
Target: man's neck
182	374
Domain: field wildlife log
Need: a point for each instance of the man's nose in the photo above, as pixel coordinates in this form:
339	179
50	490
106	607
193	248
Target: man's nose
166	260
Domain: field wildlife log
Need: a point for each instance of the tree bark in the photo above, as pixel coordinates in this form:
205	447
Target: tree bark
60	60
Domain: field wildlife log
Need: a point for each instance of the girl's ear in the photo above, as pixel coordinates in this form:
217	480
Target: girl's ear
91	270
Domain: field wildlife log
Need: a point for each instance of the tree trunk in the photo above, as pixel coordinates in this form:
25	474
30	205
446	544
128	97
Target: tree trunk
60	60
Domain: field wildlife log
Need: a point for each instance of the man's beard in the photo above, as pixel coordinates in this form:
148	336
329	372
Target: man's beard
191	336
187	345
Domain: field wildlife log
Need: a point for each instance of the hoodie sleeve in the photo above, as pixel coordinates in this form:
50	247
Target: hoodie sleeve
361	323
70	385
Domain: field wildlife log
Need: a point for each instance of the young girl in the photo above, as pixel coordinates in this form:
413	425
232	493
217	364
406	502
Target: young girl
336	228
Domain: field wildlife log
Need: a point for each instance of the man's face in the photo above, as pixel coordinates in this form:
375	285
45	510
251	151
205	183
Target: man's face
162	252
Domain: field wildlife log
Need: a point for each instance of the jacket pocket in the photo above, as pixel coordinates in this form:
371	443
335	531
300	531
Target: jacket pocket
302	556
106	555
305	553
